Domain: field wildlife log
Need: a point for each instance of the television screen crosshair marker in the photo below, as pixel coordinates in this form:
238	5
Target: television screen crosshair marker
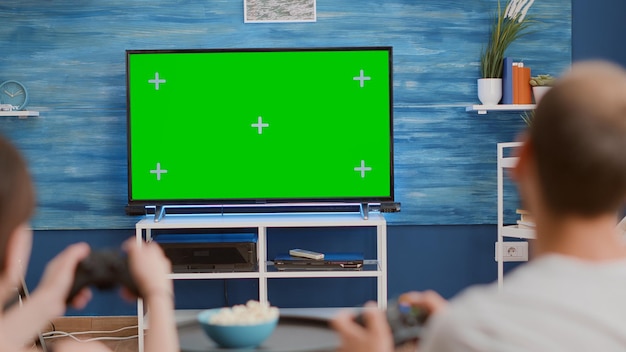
361	78
158	171
260	125
363	168
156	81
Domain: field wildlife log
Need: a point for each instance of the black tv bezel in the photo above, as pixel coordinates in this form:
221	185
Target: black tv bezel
134	205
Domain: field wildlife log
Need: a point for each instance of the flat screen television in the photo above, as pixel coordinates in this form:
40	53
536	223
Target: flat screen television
259	126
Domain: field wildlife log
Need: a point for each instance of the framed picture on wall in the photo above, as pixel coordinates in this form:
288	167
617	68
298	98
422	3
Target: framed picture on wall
256	11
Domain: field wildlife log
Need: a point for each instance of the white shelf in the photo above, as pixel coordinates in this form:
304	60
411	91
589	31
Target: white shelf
509	162
371	269
20	113
189	221
482	109
291	274
217	275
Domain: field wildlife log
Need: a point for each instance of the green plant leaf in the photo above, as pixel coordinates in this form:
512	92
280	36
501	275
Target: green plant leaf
504	31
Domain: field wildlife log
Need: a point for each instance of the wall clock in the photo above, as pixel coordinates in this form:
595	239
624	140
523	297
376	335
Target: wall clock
13	93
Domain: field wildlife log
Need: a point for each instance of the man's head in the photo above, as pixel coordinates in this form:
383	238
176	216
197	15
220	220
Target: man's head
578	141
17	197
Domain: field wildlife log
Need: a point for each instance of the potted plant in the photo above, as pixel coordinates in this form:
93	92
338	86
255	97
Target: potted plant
541	84
508	25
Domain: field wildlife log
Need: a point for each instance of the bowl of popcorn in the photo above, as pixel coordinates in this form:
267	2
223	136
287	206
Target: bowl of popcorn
240	326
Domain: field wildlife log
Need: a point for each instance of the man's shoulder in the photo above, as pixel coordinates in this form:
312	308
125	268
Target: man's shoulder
532	302
462	324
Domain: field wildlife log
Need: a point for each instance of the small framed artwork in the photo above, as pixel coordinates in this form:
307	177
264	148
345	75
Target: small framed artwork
257	11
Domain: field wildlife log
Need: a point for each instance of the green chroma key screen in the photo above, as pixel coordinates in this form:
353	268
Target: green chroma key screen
213	126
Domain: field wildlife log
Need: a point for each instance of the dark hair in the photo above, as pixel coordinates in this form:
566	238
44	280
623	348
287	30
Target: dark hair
17	194
579	139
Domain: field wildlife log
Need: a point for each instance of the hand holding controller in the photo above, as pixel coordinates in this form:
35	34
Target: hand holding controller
104	269
406	322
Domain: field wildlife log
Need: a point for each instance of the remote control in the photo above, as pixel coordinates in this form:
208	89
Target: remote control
104	269
303	253
406	322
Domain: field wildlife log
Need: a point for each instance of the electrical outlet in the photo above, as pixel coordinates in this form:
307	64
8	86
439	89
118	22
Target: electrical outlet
513	251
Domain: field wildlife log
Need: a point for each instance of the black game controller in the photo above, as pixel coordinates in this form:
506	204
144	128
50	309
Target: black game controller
104	269
406	322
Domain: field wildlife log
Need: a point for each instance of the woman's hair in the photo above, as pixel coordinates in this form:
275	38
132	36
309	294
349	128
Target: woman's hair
17	194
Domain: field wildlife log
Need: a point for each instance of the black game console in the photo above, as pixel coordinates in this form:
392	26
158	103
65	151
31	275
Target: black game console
200	253
103	269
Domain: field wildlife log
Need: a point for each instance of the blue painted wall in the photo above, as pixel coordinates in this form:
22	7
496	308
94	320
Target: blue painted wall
446	257
597	30
71	56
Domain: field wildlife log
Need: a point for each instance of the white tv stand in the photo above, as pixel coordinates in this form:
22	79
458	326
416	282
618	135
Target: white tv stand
373	267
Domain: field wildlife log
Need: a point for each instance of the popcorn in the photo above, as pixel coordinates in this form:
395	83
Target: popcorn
253	312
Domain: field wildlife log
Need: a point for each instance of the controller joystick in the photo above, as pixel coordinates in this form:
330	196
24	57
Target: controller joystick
105	269
406	322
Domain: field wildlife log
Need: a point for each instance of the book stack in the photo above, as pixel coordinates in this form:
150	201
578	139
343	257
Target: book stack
526	221
516	88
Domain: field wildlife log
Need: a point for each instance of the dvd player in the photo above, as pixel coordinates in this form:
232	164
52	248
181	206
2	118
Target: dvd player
198	253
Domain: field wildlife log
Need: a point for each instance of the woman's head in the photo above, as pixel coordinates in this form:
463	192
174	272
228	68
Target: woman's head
17	197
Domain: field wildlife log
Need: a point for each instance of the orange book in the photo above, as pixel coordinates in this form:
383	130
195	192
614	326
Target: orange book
525	89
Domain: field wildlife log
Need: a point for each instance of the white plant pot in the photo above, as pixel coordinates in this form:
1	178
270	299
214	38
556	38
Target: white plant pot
539	91
489	90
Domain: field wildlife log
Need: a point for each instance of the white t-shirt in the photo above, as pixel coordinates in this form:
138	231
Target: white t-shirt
553	303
